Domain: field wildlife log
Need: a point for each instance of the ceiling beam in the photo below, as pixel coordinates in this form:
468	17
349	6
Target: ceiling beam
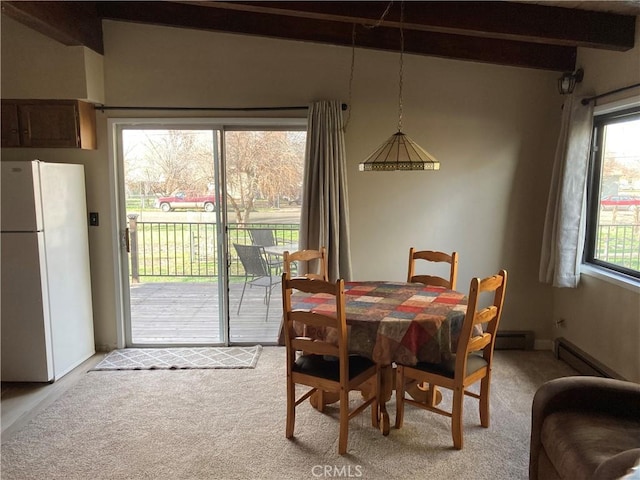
70	23
421	42
506	33
502	20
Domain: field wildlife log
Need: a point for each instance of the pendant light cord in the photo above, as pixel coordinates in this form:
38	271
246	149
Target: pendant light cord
353	62
401	66
353	58
381	19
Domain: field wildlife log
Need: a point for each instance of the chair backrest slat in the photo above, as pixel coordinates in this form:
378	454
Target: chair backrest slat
311	346
485	315
479	342
432	280
304	317
301	283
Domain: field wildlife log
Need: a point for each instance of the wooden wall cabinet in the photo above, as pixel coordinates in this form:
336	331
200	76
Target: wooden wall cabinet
48	124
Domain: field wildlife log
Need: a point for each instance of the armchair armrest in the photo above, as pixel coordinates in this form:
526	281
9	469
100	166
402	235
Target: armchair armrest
614	397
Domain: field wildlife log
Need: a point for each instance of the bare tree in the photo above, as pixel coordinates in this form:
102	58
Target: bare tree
178	160
262	163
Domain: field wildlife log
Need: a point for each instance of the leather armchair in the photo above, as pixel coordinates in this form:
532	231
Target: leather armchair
584	428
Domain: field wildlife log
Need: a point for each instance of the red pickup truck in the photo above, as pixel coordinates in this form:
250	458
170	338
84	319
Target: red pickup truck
621	202
183	200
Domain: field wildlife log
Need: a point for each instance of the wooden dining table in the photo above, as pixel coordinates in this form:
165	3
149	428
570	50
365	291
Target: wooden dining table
392	322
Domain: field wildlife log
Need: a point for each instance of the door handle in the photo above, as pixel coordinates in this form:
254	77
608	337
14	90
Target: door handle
127	242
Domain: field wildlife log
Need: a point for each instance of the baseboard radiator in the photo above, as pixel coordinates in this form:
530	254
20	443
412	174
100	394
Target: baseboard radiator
514	340
581	361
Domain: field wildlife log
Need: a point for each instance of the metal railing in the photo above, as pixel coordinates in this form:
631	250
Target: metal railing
619	245
190	249
187	249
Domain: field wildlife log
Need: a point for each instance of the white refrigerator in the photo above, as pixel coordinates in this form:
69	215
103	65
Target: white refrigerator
47	314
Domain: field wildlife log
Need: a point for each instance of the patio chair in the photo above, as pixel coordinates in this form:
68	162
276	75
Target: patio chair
256	272
431	256
265	238
309	256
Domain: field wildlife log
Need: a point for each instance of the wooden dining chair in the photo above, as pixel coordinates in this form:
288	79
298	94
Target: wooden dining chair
470	363
324	366
319	257
289	260
432	256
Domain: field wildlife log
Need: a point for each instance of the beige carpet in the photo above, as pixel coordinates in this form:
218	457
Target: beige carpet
229	424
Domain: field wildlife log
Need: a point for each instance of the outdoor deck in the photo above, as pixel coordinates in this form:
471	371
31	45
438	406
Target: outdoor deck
187	313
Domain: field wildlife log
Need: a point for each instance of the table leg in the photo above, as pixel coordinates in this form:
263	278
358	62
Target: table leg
422	393
319	399
387	381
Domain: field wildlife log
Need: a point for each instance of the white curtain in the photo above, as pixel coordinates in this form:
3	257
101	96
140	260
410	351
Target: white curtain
563	240
325	211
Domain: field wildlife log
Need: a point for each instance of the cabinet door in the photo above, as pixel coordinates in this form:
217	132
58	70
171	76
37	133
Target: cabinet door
10	128
49	125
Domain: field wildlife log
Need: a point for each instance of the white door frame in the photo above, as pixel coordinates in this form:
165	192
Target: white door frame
118	217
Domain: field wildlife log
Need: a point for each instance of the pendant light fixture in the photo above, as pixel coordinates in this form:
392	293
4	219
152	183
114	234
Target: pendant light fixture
399	152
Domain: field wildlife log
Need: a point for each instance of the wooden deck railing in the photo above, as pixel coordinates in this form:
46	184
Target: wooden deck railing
188	249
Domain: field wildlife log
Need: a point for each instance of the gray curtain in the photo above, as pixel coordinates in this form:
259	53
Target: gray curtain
325	210
564	229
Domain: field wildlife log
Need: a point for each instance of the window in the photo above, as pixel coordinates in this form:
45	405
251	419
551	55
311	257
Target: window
613	221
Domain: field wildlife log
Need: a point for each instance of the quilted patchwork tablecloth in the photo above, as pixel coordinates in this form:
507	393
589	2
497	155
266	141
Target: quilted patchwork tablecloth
395	321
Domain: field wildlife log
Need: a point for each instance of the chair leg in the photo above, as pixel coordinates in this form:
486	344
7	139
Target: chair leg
344	422
399	396
291	408
268	297
484	400
456	417
242	295
268	301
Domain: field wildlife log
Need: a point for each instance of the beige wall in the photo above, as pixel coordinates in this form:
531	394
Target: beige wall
601	317
493	128
33	66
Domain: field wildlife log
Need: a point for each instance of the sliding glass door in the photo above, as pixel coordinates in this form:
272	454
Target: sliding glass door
263	171
191	196
173	224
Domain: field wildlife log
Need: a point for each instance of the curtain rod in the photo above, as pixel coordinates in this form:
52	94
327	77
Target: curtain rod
586	101
235	109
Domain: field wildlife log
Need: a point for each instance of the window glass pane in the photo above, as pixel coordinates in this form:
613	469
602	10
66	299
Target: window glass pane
264	172
617	230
